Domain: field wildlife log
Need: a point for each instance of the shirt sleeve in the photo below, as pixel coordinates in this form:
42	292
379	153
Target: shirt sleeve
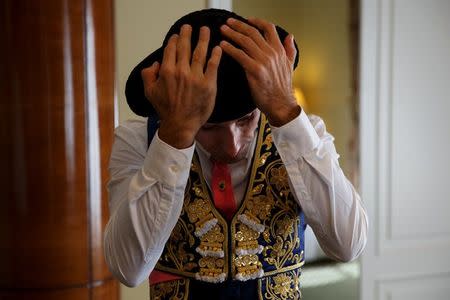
332	206
146	190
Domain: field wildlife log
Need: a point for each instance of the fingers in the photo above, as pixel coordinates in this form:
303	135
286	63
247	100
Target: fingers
289	47
199	55
169	57
242	32
256	48
184	47
239	55
244	42
213	64
269	29
177	54
149	76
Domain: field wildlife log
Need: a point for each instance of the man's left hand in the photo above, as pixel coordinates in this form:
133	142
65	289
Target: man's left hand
268	65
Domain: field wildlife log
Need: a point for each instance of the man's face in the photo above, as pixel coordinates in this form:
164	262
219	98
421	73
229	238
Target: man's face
229	142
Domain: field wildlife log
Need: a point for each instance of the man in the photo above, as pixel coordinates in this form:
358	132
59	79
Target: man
217	205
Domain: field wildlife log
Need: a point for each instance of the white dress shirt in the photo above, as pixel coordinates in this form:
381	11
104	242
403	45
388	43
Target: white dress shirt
146	193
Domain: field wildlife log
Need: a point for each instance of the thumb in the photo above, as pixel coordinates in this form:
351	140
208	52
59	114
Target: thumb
150	75
289	47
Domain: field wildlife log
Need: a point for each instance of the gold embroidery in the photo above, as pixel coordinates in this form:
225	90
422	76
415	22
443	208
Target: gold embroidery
247	238
199	212
282	286
213	243
211	266
268	216
180	240
198	191
279	178
247	264
266	236
257	189
282	226
176	290
269	209
246	234
198	218
256	209
195	167
263	158
268	141
212	240
246	260
260	206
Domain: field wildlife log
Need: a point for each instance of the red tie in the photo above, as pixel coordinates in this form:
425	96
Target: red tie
223	189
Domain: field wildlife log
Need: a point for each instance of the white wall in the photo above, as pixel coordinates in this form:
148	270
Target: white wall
140	27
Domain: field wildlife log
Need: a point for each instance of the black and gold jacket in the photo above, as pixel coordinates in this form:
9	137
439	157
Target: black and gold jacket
264	240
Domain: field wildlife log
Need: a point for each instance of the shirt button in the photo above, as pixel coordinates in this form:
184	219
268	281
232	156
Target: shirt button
283	144
222	185
174	169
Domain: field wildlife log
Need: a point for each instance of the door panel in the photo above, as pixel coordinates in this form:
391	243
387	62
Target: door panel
405	146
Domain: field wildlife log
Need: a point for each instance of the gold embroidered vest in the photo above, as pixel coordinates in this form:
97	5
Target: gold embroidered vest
264	240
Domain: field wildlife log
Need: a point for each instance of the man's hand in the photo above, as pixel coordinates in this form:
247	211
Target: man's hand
182	93
268	65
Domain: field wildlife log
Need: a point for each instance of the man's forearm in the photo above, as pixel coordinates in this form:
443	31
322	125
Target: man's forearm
146	204
331	205
137	231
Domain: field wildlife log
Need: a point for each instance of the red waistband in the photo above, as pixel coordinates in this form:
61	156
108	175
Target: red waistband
158	277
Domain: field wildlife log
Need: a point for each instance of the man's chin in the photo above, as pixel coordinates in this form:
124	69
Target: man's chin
234	160
230	159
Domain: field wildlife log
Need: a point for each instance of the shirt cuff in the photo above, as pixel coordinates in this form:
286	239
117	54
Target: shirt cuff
295	139
168	164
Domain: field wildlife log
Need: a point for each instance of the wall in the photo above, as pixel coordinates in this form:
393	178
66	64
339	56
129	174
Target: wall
140	27
321	29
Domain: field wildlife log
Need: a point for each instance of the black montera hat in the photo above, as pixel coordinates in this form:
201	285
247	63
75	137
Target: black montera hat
233	99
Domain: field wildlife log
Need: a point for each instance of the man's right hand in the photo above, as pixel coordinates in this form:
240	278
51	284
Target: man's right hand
182	92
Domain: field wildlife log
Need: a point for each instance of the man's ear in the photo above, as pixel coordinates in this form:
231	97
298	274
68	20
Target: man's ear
290	49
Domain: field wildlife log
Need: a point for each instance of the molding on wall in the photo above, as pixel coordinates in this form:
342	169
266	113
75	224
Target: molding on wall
224	4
